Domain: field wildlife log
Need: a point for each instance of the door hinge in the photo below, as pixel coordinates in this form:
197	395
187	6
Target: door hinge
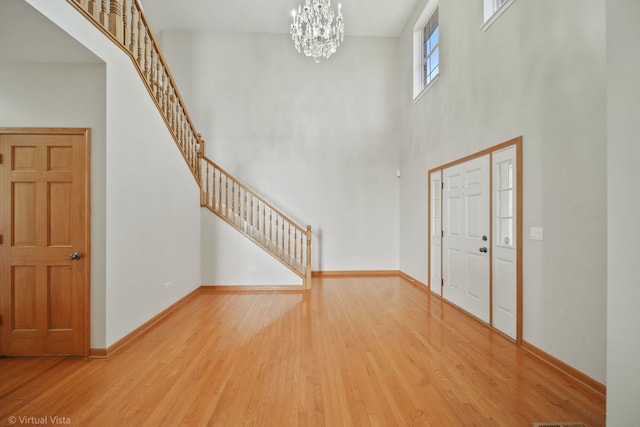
442	282
441	233
0	159
442	185
0	320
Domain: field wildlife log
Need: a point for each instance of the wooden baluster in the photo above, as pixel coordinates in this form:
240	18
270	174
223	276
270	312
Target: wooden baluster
141	40
301	254
245	207
207	184
220	192
289	244
154	68
213	188
276	241
190	147
181	130
187	141
132	32
115	21
270	227
295	245
163	92
93	9
199	156
307	274
183	141
239	213
82	4
173	110
147	56
253	226
126	39
282	240
159	77
104	14
264	224
226	196
194	151
170	107
179	127
185	135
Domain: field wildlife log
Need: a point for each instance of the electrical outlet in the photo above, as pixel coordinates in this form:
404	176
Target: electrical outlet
252	268
168	285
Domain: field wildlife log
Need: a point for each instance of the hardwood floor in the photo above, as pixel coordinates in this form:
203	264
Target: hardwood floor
354	351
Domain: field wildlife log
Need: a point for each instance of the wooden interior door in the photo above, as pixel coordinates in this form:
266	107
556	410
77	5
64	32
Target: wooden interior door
44	208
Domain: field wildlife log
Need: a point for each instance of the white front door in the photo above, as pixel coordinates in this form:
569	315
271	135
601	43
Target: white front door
505	241
465	245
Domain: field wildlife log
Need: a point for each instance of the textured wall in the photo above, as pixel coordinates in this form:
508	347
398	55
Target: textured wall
319	141
623	128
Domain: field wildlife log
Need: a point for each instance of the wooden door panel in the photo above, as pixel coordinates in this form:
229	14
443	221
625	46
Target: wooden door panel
60	297
24	213
23	298
59	205
44	186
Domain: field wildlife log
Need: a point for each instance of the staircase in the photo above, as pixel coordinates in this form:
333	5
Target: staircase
124	23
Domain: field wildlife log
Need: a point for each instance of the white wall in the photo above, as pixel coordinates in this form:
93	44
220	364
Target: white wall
225	254
55	95
152	214
539	72
319	141
623	128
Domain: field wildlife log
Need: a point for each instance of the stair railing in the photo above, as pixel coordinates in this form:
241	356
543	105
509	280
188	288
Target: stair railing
241	207
123	21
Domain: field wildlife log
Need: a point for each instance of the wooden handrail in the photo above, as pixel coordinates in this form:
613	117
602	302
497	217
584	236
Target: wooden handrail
127	27
234	202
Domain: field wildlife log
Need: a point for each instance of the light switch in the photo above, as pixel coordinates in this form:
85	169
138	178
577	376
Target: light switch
536	233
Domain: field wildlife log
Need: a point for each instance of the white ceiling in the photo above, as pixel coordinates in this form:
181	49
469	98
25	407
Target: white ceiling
27	36
384	18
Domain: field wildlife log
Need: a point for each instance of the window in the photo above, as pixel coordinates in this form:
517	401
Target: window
493	9
505	203
426	49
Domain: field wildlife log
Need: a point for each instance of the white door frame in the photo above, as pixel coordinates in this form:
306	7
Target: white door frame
436	288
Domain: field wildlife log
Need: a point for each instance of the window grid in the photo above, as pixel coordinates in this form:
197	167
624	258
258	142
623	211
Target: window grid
430	49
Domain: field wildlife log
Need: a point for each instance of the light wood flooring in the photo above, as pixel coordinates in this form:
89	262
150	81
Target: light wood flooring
353	351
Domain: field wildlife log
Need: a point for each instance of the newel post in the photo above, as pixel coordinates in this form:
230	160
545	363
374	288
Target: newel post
116	24
199	156
307	275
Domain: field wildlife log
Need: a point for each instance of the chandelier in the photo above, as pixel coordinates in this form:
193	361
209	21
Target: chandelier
313	29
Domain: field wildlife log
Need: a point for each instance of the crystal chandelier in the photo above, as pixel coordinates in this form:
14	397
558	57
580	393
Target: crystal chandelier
313	29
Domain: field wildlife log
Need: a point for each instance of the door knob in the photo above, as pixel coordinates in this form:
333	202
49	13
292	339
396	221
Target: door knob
484	250
74	256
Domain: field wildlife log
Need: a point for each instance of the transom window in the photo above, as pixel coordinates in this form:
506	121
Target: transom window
426	49
430	50
493	9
